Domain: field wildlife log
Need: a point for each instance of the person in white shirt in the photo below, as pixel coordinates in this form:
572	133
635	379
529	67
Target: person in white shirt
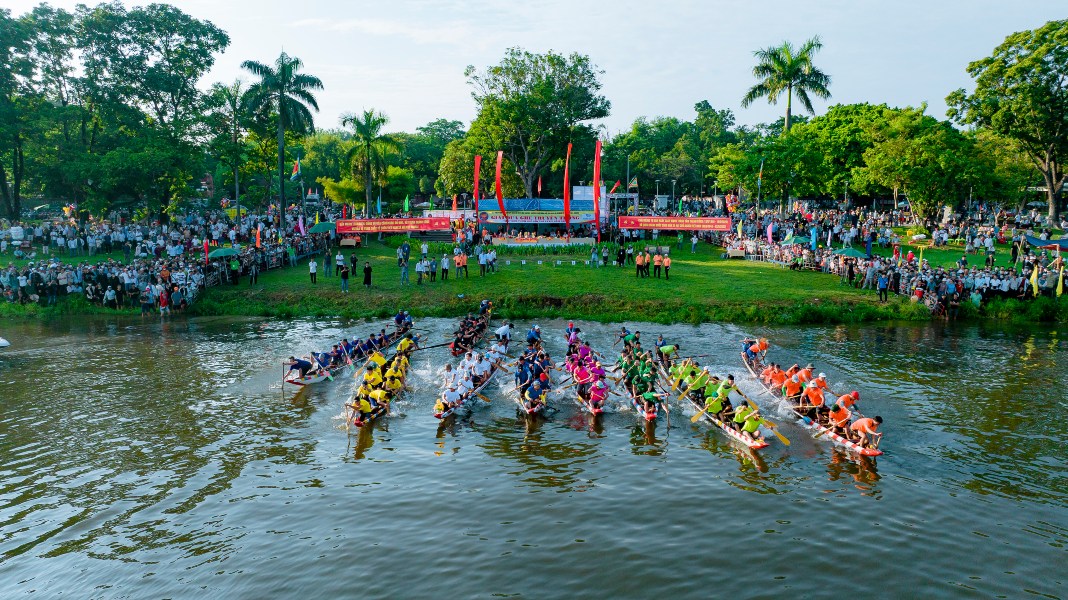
450	377
492	258
425	248
466	362
482	263
444	267
339	261
504	332
450	398
313	269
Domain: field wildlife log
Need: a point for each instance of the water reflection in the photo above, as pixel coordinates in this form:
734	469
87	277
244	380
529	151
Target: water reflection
845	465
644	441
542	460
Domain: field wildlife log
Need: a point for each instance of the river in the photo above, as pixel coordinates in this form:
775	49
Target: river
165	460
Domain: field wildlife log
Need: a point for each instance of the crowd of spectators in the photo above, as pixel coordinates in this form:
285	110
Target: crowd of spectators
808	241
162	265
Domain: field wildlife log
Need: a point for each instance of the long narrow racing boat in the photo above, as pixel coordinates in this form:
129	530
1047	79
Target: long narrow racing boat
465	401
697	400
321	375
380	410
809	423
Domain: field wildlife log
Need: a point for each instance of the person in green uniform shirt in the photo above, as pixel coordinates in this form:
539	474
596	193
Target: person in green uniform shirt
751	427
650	399
235	269
740	414
666	354
631	339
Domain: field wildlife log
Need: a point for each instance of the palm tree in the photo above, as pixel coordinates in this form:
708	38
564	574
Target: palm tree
370	148
781	69
285	92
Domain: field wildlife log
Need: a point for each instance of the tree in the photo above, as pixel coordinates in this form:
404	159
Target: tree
929	159
1021	92
369	149
13	44
782	69
531	104
228	119
287	93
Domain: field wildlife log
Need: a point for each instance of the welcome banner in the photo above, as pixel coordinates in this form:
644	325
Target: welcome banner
392	225
676	223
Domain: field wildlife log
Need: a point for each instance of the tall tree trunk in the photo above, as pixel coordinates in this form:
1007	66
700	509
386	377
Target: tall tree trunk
789	103
282	166
18	167
367	185
5	196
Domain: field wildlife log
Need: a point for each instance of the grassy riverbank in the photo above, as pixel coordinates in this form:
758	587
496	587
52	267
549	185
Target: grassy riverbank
702	288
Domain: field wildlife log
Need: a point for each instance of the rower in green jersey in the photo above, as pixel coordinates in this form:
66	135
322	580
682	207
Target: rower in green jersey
667	354
631	339
650	399
751	427
740	414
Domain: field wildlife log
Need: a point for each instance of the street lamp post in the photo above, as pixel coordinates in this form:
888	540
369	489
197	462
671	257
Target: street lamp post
657	199
846	195
672	192
715	188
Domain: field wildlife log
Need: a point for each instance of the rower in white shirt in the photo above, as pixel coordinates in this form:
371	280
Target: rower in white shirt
450	378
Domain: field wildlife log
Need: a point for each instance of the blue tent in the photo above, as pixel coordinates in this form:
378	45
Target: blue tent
1061	244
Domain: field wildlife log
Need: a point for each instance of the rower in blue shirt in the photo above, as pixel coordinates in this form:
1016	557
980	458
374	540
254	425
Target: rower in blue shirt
299	364
534	335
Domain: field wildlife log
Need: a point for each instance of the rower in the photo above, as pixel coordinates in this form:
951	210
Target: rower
849	401
585	353
573	340
393	385
631	339
791	389
534	336
449	377
362	409
398	319
838	419
408	321
533	396
480	371
523	376
751	426
865	427
450	399
583	378
484	307
598	393
623	333
812	401
740	414
666	353
570	329
467	361
406	343
466	385
778	378
299	364
753	348
379	397
504	333
650	399
805	374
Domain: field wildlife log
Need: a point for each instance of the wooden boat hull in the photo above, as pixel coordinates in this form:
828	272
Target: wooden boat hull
727	429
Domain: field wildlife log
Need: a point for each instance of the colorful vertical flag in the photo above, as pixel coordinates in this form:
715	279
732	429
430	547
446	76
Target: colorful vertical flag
206	251
497	188
454	203
680	206
300	225
567	190
259	228
296	170
597	188
1034	280
1060	282
539	186
406	203
633	182
316	217
344	211
739	228
760	177
615	187
478	167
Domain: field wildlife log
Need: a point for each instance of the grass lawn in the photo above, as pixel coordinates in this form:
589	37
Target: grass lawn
703	287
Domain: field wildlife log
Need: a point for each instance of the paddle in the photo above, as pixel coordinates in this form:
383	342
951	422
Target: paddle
485	399
433	346
692	385
682	369
329	377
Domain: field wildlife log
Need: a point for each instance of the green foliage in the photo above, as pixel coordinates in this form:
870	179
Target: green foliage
530	106
1021	93
928	159
369	150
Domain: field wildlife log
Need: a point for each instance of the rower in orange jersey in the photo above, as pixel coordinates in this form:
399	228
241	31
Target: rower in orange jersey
838	419
812	401
766	373
778	378
849	401
862	428
754	351
793	370
805	375
791	388
820	381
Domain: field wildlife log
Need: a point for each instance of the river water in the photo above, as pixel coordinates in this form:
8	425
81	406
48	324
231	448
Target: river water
149	460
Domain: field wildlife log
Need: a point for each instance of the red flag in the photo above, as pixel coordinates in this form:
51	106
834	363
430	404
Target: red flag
454	203
344	211
500	195
206	251
478	167
597	188
616	186
567	190
539	185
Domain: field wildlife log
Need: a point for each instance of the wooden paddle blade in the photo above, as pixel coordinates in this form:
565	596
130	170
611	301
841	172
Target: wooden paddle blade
483	397
699	414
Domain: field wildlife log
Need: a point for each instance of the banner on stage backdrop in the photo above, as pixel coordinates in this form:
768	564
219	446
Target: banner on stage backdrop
392	225
676	223
545	217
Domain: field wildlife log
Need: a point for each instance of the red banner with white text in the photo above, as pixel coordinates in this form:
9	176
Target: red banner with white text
392	225
676	223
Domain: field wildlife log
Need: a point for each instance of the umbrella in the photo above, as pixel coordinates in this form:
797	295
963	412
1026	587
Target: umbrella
323	227
223	252
851	253
792	240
